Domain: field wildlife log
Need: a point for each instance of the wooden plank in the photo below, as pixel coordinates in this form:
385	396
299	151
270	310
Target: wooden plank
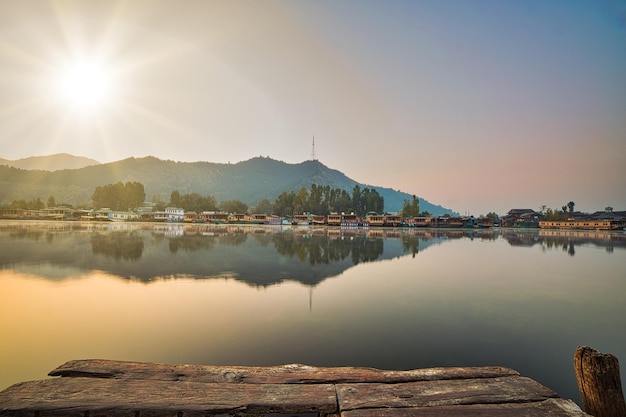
553	407
96	396
285	374
439	393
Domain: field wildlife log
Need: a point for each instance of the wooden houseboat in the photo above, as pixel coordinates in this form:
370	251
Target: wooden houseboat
301	219
256	218
334	219
349	220
422	221
375	219
216	217
392	220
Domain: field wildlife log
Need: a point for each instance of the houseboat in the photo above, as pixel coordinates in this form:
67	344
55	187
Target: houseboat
583	224
216	217
256	218
175	214
334	219
374	219
422	221
301	220
317	220
122	216
392	220
349	220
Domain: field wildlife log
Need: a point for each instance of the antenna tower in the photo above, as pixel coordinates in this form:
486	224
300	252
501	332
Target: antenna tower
313	157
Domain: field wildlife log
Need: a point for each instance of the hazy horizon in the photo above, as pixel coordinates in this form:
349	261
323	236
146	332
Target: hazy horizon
476	106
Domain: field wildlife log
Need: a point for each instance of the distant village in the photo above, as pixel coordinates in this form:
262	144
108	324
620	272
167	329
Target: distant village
607	219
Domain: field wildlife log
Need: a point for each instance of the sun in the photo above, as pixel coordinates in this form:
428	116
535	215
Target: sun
84	85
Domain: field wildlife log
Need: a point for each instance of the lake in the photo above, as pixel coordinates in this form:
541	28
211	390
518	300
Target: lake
268	295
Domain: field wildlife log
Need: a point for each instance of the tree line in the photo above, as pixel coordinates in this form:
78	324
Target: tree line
555	214
319	199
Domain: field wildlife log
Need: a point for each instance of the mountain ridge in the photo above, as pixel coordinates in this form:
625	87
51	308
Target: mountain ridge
248	181
53	162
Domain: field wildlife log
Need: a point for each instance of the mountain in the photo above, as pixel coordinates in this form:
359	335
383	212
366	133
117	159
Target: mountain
248	181
50	162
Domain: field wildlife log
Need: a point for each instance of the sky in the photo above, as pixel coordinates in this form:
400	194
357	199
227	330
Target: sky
479	106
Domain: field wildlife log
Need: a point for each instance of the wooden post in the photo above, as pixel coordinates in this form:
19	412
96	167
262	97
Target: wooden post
599	383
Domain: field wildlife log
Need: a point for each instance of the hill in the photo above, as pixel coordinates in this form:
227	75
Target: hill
248	181
50	162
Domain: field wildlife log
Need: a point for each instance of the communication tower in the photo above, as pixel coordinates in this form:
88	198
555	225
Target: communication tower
313	157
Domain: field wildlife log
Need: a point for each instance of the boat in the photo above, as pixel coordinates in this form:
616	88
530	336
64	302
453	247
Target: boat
301	220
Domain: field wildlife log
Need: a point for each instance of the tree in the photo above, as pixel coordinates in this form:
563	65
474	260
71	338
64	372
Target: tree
556	214
356	200
411	209
284	203
175	198
263	206
194	202
571	205
233	206
52	202
119	196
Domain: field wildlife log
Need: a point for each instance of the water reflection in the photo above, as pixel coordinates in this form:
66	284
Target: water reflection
258	256
400	299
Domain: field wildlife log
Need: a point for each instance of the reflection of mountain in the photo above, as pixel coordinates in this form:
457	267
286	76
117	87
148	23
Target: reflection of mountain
258	256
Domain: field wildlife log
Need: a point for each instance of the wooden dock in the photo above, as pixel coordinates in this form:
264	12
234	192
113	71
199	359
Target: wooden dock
91	388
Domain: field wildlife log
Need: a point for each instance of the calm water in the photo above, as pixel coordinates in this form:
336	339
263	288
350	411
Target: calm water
327	297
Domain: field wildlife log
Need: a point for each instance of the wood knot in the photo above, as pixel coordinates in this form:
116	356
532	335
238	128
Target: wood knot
232	377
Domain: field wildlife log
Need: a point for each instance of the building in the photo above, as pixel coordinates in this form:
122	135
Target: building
521	218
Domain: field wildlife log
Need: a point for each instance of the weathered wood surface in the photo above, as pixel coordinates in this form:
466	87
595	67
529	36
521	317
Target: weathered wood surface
555	407
285	374
438	393
77	396
599	383
110	388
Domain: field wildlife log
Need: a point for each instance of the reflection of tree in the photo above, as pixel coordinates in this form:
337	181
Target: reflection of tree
233	239
26	234
366	250
411	244
263	239
321	250
117	245
191	243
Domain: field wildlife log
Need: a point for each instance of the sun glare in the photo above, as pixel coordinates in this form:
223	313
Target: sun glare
83	86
